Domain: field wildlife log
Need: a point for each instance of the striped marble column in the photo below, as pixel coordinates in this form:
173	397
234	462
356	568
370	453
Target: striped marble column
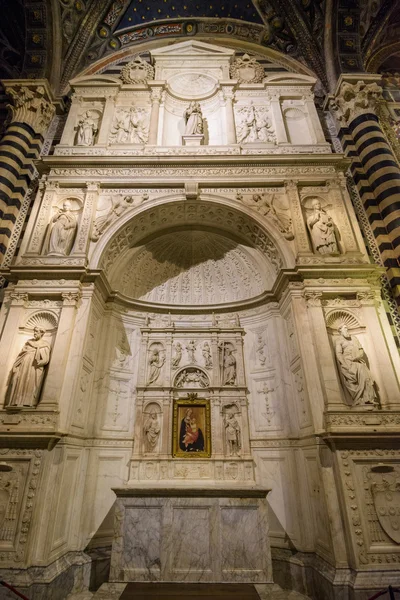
374	167
31	111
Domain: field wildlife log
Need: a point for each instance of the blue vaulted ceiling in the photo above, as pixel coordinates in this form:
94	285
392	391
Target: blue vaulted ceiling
142	11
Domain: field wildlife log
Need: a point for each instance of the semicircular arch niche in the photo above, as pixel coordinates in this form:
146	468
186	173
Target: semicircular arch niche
193	267
198	215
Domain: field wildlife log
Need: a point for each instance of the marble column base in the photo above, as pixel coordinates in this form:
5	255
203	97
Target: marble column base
191	535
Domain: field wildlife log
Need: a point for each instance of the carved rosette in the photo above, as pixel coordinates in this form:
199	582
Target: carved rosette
137	71
30	105
247	70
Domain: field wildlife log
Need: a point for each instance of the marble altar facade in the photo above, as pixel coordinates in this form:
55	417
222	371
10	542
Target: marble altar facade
168	257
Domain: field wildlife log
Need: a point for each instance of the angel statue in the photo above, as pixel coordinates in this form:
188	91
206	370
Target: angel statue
323	231
269	208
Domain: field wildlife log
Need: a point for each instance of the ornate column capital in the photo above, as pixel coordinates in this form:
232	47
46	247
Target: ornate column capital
355	97
32	102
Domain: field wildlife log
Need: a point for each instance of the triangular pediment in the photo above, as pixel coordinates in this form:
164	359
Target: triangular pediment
192	48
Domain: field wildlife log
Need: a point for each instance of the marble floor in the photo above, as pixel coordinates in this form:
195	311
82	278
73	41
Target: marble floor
168	591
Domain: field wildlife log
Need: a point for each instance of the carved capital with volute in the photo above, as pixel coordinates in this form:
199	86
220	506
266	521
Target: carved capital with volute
354	99
31	103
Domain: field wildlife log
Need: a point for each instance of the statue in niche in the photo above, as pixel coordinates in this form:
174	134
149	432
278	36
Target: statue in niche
254	126
193	119
87	130
355	374
130	127
192	378
228	364
268	209
27	372
323	231
117	208
207	355
191	349
176	359
151	431
232	432
156	362
191	437
61	232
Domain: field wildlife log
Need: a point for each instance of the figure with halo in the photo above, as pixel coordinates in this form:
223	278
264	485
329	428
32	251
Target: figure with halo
26	377
151	431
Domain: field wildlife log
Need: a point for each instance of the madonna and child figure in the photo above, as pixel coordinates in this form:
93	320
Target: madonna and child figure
191	437
27	372
323	231
193	119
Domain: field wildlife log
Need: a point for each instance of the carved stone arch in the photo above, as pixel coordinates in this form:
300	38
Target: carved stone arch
46	319
342	316
191	377
165	213
151	405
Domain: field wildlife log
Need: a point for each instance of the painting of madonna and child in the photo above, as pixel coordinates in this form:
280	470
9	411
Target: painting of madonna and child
191	431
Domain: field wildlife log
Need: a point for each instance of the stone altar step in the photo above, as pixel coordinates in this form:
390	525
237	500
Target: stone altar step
194	591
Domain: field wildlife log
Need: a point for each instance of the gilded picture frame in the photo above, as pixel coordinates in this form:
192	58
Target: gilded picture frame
191	431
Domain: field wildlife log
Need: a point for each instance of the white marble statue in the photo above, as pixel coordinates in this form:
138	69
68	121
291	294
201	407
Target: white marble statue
151	431
355	374
192	378
27	372
207	355
87	130
193	119
191	349
156	362
232	432
117	208
62	230
228	365
177	357
323	231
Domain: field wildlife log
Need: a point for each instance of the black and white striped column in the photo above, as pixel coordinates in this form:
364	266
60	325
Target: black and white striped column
31	112
374	168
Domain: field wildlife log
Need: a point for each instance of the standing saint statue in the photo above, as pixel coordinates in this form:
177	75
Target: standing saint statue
355	374
156	362
151	431
228	365
207	355
176	359
87	129
193	119
232	430
323	231
27	372
62	230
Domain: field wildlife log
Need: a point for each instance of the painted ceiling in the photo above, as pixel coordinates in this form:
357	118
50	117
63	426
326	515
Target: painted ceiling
63	38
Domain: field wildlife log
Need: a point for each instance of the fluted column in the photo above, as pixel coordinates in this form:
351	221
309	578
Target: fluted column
375	168
156	93
31	112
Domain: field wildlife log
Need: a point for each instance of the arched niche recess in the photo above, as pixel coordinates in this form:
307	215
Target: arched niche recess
216	253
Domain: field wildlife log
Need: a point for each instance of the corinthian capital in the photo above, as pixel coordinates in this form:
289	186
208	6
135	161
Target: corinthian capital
354	99
31	103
